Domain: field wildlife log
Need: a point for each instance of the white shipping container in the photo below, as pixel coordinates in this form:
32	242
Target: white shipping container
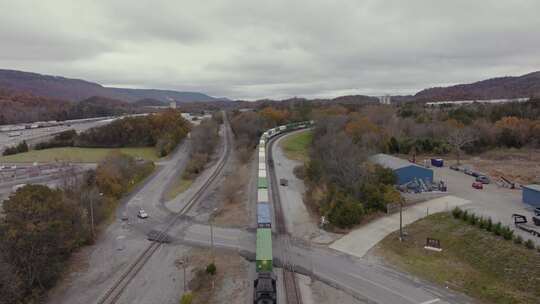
262	195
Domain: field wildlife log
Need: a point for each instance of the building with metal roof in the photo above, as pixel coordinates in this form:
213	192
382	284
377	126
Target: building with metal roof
531	195
404	169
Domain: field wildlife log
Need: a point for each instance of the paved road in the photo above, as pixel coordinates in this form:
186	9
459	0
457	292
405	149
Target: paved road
367	281
121	242
33	136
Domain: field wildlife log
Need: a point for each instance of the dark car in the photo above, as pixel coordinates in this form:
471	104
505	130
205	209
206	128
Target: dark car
483	179
537	211
283	182
454	167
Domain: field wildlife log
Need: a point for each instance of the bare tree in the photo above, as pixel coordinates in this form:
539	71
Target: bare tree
460	137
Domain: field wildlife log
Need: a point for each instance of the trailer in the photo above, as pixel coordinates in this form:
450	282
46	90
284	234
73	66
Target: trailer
520	221
264	219
264	250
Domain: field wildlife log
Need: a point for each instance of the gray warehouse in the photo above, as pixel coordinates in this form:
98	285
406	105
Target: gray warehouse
531	195
404	170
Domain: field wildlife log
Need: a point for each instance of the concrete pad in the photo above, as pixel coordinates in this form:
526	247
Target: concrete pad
359	241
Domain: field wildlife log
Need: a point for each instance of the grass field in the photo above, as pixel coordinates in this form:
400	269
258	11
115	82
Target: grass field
72	154
296	146
180	185
473	261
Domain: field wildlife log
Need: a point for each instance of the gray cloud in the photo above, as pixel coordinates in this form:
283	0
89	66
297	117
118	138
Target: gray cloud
256	49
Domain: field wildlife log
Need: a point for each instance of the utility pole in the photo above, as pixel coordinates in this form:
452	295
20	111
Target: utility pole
400	220
92	216
212	234
184	263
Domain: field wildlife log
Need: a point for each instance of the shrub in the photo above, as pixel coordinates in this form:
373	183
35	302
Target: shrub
507	233
345	212
489	224
518	239
211	269
300	172
187	298
465	215
20	148
529	244
473	219
456	212
482	223
497	229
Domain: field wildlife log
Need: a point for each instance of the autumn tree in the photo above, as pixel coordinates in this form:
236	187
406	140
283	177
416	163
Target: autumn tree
275	116
459	137
40	230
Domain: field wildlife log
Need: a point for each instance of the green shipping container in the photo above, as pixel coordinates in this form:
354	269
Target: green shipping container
264	250
262	183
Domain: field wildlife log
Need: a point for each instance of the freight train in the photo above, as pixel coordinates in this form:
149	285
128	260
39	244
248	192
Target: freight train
264	288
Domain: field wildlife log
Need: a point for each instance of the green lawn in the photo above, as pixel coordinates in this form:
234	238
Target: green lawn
296	146
72	154
473	261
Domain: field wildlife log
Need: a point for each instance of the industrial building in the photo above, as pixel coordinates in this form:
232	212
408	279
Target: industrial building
404	170
531	195
386	99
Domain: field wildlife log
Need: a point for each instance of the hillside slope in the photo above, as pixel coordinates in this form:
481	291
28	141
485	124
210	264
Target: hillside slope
77	89
502	87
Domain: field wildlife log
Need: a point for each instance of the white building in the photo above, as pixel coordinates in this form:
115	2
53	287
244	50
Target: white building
386	99
465	102
172	105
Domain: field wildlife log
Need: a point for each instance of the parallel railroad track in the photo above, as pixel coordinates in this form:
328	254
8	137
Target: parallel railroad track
292	292
115	291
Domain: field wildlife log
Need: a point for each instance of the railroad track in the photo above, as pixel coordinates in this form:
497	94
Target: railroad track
292	292
115	291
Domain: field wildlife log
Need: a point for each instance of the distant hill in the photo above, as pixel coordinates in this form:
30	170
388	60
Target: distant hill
351	99
149	102
76	89
503	87
19	107
97	106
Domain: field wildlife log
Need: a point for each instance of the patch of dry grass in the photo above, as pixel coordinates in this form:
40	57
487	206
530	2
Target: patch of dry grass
473	261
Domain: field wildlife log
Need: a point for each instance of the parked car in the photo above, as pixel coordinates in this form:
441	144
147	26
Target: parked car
537	211
477	185
483	179
124	216
467	171
454	167
283	182
142	214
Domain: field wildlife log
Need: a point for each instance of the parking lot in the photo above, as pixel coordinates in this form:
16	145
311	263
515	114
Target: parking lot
492	201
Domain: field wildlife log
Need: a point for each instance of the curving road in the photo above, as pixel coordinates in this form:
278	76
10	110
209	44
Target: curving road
122	243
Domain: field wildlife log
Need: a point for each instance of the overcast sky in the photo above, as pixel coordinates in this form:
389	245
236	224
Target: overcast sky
272	48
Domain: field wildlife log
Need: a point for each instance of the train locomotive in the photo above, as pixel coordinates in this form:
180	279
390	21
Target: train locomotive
264	291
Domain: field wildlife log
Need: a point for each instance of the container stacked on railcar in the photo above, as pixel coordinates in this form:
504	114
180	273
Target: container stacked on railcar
265	284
